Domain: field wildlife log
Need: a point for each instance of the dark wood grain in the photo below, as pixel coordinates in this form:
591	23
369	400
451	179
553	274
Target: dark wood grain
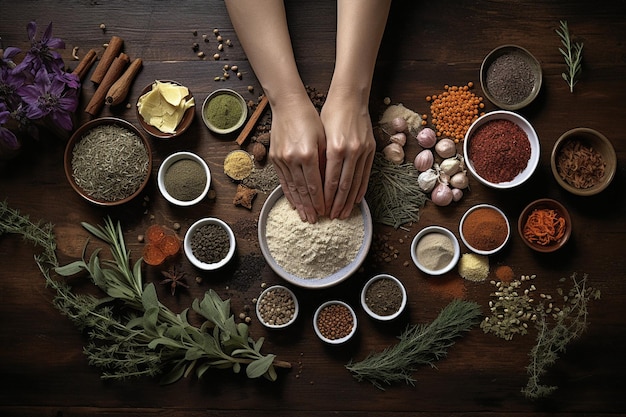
426	46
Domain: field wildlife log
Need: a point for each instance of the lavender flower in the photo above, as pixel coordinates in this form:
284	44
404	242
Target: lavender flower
41	53
7	138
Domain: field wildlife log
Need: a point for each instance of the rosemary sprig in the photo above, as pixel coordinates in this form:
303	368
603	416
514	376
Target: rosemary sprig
417	345
573	54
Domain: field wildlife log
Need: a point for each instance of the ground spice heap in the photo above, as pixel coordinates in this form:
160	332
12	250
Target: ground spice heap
276	307
335	321
238	165
454	110
499	150
185	180
110	163
383	297
544	227
435	251
579	164
474	267
485	229
510	78
210	243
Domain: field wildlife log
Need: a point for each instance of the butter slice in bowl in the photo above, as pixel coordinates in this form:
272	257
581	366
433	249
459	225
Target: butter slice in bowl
165	108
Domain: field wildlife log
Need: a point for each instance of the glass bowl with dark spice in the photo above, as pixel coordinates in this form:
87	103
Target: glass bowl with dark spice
184	178
277	307
484	229
335	322
501	149
108	161
545	225
435	250
224	111
165	109
383	297
583	161
510	77
209	244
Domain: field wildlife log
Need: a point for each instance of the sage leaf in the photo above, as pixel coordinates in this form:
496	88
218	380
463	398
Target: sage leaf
70	269
259	366
175	374
149	297
164	341
95	231
150	319
193	354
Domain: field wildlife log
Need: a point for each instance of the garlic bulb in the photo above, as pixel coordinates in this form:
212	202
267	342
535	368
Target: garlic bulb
394	153
459	180
426	137
399	138
450	166
424	160
427	180
442	195
445	148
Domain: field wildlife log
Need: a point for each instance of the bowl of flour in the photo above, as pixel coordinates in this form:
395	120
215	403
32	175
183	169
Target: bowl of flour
317	255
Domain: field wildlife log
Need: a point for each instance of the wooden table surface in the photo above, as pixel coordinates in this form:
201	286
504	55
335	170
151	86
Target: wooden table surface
426	46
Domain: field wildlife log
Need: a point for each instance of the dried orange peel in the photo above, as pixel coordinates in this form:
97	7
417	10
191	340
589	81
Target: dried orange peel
159	245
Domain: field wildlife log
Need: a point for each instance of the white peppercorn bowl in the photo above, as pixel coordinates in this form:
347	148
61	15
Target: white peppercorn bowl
189	252
342	339
365	304
293	297
455	256
313	283
464	239
535	148
167	163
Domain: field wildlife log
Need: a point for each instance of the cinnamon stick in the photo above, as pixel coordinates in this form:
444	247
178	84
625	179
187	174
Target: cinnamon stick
115	47
119	90
85	64
252	122
115	71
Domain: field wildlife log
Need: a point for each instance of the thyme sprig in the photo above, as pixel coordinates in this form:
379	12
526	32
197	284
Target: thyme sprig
421	344
131	334
573	54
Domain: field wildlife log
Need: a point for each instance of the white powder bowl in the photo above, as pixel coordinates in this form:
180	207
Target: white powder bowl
316	282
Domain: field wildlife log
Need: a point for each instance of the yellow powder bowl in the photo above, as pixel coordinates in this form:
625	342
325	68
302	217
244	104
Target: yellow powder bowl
216	95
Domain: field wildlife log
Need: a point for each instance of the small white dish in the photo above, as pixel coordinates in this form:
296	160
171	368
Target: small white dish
455	245
320	333
167	163
464	238
366	304
240	101
189	251
264	319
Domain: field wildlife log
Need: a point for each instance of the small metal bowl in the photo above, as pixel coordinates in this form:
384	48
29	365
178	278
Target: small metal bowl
465	239
183	125
167	163
340	340
78	136
264	320
545	203
366	305
526	77
600	143
455	256
236	126
189	252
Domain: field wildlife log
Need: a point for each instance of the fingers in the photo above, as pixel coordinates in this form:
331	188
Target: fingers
302	186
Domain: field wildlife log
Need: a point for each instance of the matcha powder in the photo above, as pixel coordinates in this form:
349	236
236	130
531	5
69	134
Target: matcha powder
223	111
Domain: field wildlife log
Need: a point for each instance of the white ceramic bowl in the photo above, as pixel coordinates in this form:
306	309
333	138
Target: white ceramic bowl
339	340
366	306
455	256
189	252
167	163
236	126
535	147
313	283
464	239
264	294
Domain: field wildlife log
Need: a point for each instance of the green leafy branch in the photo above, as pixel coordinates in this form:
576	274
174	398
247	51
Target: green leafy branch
573	54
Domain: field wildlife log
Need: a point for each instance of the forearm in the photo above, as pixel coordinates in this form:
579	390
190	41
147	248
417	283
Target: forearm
262	29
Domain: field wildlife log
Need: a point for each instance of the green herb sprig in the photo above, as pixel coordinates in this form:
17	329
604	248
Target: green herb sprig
418	345
573	54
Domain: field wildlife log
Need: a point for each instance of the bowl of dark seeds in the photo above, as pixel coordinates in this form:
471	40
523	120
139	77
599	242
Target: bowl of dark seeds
510	77
108	161
209	243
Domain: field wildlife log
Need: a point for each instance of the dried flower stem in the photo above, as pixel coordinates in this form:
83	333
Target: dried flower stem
573	54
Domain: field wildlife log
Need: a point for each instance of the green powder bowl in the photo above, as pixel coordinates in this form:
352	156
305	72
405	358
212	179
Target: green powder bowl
191	183
224	111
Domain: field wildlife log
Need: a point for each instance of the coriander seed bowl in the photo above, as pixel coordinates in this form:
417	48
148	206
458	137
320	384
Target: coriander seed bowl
583	161
335	322
384	297
302	254
277	307
545	225
510	77
184	179
98	170
501	149
162	110
209	244
224	111
484	229
435	250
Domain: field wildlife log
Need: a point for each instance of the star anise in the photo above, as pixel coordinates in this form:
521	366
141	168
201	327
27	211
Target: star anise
175	278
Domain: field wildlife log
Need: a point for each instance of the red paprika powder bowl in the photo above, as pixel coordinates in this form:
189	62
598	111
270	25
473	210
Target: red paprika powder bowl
545	225
484	229
501	149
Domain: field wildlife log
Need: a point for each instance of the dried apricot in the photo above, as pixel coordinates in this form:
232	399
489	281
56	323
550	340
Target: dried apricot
155	233
169	245
152	255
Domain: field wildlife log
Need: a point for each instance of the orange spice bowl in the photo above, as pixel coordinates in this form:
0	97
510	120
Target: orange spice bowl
562	232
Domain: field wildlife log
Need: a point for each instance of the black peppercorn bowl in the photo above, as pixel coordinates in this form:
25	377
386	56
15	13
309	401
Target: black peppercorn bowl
188	247
78	135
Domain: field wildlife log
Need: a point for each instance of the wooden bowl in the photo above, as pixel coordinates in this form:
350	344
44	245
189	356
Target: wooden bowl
590	138
184	124
79	134
545	203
